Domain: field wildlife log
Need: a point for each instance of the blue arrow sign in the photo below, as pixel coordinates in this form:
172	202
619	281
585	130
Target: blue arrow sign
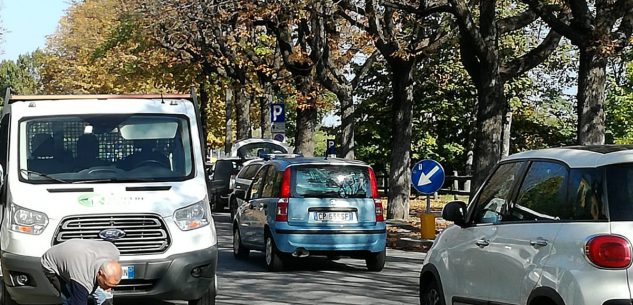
427	176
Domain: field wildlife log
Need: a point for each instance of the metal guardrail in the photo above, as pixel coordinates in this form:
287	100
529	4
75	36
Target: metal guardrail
453	185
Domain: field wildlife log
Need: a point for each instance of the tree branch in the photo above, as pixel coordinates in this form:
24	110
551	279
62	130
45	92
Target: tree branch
510	24
420	12
556	22
467	28
369	62
471	63
346	5
432	47
622	36
352	21
581	16
375	28
531	59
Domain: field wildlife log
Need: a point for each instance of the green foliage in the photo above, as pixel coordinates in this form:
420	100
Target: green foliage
542	124
108	46
22	75
442	114
619	108
543	115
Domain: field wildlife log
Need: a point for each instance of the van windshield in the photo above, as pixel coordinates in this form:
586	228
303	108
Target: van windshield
329	181
105	148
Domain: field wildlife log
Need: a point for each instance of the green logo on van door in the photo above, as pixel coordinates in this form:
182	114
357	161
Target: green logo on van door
91	200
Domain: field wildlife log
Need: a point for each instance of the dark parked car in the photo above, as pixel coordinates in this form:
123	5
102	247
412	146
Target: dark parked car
242	182
224	169
219	180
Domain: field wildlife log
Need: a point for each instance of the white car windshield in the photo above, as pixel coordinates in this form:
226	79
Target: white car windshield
105	148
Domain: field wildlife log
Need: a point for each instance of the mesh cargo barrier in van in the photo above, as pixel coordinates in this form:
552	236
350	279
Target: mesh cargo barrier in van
144	233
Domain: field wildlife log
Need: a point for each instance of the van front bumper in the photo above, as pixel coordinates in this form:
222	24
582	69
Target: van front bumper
186	276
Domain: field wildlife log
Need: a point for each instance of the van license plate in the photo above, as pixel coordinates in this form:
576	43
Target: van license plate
334	216
128	272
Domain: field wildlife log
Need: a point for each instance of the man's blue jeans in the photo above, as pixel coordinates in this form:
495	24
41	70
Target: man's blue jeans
98	297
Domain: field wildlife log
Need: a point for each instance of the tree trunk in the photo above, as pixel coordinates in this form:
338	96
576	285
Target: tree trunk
347	126
400	166
507	128
204	105
242	113
304	135
228	133
264	112
591	95
490	112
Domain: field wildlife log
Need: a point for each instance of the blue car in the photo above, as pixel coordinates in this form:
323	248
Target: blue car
297	207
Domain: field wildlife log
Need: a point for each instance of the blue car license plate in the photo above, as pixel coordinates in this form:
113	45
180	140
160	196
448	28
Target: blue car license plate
334	216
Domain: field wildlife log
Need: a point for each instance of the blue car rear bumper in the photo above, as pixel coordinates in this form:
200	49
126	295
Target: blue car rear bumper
373	239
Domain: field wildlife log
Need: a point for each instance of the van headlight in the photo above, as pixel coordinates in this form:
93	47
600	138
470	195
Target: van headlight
27	221
192	217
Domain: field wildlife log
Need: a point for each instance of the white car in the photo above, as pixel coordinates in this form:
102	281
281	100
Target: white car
548	227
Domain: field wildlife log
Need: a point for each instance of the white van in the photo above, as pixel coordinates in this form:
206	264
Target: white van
128	169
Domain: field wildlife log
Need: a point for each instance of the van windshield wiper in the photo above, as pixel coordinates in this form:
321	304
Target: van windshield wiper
49	177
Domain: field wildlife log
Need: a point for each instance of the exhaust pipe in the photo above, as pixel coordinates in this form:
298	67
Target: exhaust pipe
301	252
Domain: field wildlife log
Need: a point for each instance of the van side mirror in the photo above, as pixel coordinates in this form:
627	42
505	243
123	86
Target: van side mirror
455	211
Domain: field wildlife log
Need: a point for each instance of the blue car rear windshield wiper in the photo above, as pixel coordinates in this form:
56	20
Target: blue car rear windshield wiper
24	170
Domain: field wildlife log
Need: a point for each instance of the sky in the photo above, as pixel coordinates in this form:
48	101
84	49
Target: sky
27	23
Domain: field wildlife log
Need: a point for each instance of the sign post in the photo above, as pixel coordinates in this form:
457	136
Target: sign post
427	177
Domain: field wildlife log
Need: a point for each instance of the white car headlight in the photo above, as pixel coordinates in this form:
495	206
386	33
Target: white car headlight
192	217
27	221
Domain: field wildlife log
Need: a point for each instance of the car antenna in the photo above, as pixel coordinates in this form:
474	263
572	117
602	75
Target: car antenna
162	101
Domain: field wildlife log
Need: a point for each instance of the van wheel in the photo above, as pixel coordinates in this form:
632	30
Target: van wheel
274	260
5	298
239	251
376	261
430	294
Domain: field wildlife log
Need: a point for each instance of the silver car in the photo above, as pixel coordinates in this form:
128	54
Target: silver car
548	227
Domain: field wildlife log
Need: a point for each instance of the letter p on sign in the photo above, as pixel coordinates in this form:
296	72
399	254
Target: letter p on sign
277	113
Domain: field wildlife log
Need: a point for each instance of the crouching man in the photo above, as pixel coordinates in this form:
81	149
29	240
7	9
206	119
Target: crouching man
83	270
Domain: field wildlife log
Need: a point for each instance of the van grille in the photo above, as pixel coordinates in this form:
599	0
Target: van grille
144	234
136	285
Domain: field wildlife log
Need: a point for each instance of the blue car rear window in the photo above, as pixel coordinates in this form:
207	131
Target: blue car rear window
331	181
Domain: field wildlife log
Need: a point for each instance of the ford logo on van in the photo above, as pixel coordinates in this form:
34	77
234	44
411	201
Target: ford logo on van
111	234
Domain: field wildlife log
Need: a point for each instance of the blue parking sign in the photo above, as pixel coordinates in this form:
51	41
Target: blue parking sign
277	113
330	147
